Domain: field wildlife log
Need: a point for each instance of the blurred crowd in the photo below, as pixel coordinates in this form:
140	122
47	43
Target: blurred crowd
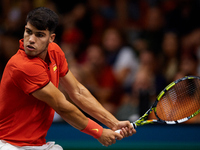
124	51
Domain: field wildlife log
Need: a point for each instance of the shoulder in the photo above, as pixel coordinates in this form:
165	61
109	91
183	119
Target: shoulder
22	64
33	68
127	50
54	47
127	53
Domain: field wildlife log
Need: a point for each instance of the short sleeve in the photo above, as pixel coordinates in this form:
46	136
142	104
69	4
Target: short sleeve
29	79
63	69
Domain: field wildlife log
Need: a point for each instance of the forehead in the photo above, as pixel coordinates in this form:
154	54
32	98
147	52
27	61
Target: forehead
34	29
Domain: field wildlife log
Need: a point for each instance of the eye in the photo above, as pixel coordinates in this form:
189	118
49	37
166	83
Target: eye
39	34
28	31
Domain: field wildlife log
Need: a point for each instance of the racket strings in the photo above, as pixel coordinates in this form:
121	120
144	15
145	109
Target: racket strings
180	101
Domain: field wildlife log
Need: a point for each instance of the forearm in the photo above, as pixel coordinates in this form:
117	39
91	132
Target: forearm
55	99
73	116
90	105
84	99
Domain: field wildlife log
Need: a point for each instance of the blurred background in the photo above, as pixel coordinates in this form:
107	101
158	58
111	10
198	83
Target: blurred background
124	51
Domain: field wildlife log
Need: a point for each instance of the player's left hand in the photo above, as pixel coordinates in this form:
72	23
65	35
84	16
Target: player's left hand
109	137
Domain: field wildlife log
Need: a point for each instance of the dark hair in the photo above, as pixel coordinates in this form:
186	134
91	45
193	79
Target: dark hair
43	18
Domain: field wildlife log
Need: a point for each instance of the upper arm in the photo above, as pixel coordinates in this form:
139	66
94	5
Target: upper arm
84	100
71	85
77	92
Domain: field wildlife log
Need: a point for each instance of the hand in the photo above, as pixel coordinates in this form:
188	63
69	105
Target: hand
126	128
109	137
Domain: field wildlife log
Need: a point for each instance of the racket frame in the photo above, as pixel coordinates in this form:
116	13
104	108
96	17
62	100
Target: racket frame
143	120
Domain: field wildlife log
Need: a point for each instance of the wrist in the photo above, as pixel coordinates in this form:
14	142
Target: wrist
115	125
93	129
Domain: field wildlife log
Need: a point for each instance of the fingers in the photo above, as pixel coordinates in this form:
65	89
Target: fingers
126	132
133	131
127	128
108	137
110	141
119	136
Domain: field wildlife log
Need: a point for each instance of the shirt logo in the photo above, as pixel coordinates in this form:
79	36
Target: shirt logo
54	68
95	130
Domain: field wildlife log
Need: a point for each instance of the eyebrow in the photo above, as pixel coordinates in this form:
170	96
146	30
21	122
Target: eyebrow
37	32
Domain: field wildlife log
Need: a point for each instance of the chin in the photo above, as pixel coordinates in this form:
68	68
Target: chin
30	54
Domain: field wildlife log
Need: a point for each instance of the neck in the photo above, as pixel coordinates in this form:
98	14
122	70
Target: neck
47	59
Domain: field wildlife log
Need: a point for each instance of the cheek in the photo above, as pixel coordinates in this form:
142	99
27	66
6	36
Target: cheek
42	44
25	36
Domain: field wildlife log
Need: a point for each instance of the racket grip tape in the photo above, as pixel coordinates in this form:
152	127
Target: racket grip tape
133	124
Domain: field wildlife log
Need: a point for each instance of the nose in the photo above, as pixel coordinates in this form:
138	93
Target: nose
32	39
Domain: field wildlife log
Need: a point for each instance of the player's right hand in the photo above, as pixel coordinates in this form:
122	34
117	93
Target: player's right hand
109	137
126	127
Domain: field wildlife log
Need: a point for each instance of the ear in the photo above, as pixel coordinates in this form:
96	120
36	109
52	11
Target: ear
52	37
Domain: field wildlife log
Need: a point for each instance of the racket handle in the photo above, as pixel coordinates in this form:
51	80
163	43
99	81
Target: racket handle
134	126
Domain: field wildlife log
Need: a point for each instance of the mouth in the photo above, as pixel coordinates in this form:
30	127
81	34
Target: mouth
29	47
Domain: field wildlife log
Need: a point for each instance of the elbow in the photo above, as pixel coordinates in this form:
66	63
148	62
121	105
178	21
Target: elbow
62	105
78	95
64	108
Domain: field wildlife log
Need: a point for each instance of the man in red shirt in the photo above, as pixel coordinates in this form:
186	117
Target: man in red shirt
29	92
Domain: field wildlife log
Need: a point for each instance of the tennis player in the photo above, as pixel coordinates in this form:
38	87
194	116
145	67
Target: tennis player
29	93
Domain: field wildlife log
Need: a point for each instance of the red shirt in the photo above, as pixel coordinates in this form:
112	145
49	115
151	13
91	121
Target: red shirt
25	120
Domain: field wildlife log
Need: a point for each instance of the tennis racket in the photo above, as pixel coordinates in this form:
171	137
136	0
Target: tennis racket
177	103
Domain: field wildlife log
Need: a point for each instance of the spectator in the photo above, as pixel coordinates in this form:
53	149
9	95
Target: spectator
14	22
188	65
184	17
151	34
121	57
170	49
99	78
148	82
